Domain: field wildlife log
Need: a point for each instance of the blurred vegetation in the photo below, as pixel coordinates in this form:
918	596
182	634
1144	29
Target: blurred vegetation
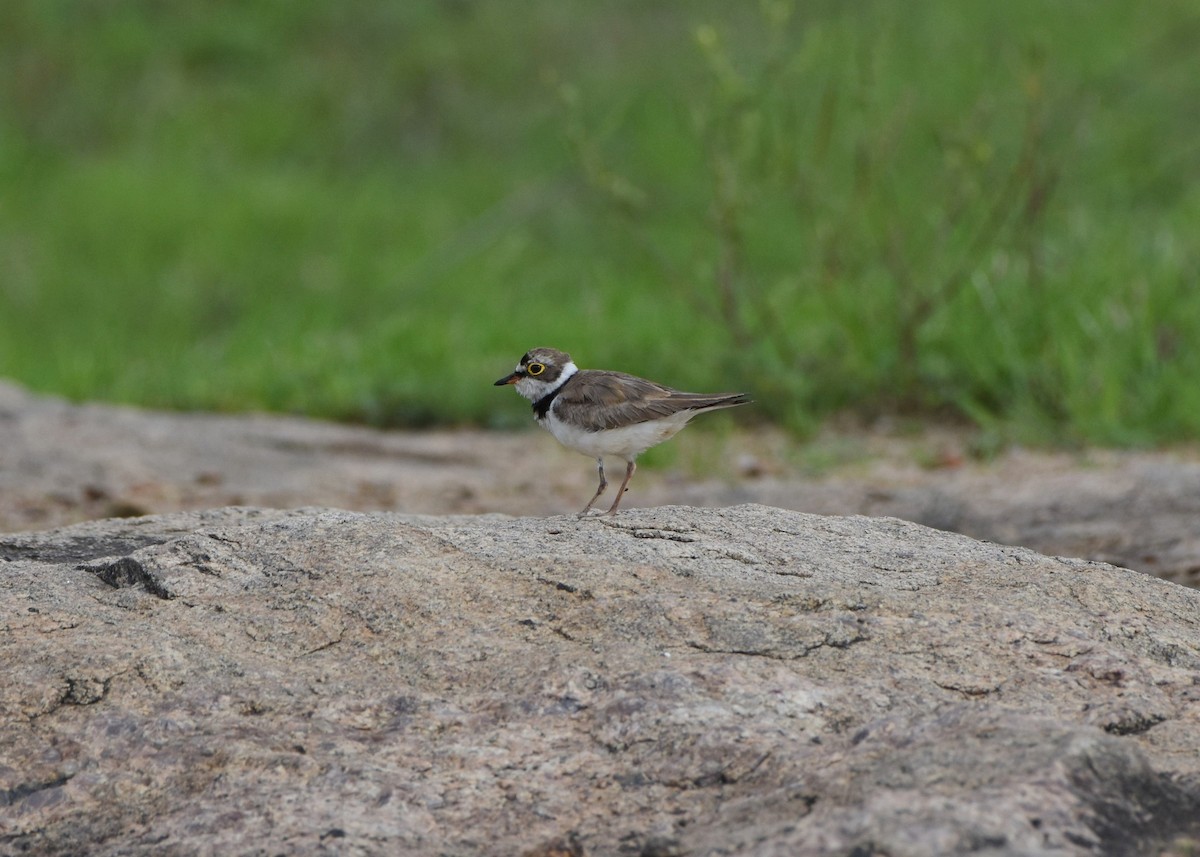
368	211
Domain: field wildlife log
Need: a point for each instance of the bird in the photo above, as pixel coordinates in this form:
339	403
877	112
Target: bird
606	414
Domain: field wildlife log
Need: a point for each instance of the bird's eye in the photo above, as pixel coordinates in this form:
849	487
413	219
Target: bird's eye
535	369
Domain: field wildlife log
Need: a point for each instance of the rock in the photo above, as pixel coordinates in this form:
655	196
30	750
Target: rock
61	463
1134	509
674	681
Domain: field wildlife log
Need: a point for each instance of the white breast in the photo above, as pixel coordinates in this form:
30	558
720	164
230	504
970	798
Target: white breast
626	442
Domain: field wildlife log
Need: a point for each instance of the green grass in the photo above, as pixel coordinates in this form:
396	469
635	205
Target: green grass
368	211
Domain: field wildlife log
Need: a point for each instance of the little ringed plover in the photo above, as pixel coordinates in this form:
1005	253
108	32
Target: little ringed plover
606	414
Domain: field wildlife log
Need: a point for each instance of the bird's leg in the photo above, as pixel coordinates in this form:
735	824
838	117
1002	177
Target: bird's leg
599	490
629	468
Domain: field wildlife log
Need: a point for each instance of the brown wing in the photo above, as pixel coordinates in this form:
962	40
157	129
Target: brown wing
614	399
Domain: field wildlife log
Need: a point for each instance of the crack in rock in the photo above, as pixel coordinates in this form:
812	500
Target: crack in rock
11	796
661	534
127	571
585	594
735	554
783	651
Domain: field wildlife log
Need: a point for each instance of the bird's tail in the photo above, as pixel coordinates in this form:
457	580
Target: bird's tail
721	400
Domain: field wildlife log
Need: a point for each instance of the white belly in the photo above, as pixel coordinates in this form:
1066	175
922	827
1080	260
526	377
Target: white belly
625	443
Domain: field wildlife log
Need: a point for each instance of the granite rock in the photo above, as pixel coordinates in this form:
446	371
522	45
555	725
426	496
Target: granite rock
671	681
61	463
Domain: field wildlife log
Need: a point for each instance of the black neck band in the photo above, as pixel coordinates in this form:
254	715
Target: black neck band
542	406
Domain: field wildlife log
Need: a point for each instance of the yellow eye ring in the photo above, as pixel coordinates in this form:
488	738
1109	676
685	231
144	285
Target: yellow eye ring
535	369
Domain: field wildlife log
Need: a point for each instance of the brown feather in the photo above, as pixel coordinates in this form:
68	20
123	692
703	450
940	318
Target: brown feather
614	399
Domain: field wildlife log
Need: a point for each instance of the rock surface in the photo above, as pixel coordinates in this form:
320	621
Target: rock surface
61	463
673	681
